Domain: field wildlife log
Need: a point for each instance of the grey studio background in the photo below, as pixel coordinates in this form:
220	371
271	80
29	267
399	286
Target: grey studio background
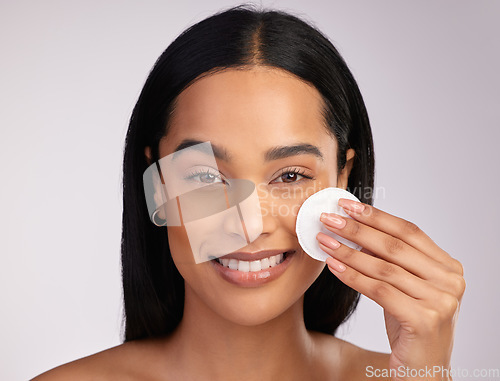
70	73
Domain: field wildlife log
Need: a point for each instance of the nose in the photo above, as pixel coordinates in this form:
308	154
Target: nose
252	213
267	207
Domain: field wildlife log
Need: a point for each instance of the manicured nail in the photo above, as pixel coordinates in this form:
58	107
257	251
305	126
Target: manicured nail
335	265
352	205
332	220
328	241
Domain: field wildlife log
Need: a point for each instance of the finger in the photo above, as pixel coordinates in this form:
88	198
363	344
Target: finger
377	268
383	245
394	251
419	316
398	277
402	306
397	227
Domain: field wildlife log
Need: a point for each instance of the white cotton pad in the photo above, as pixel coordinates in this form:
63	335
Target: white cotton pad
308	224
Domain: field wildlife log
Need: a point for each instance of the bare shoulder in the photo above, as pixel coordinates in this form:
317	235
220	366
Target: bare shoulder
347	361
127	361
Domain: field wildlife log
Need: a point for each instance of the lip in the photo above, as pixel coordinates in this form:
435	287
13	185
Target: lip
253	278
255	256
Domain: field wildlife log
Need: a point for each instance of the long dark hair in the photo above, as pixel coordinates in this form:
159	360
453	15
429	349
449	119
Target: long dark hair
239	37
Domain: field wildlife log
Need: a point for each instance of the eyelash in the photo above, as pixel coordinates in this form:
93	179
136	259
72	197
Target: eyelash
284	171
296	171
193	174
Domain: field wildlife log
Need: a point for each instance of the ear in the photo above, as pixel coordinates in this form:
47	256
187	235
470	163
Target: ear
147	153
343	176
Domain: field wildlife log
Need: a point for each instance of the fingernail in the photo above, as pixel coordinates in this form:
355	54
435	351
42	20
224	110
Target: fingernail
351	205
332	220
328	241
335	265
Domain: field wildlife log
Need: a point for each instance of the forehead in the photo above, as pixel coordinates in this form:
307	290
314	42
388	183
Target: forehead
255	108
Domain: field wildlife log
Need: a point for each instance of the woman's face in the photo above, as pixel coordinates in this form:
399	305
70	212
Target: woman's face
247	113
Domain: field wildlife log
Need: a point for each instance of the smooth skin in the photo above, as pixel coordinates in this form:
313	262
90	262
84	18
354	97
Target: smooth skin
229	332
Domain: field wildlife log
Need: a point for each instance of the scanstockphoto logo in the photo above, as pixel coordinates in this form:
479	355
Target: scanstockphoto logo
286	201
434	372
300	193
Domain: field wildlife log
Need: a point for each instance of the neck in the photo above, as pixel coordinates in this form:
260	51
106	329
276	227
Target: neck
216	348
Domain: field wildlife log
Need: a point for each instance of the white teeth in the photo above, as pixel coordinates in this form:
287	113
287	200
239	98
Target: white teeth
255	266
264	263
272	261
246	266
233	264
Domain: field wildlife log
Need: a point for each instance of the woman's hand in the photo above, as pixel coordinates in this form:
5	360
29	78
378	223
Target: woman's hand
418	285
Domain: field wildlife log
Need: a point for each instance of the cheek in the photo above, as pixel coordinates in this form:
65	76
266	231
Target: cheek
286	210
314	268
286	214
285	204
180	248
197	275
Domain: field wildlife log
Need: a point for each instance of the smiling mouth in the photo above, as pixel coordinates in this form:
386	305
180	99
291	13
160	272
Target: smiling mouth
253	269
254	266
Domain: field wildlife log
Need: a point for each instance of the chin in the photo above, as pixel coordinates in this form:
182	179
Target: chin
257	311
254	304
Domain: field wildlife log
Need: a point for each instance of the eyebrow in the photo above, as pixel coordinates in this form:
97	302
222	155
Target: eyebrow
282	152
218	152
275	153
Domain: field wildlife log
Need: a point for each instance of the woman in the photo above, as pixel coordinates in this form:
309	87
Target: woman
280	108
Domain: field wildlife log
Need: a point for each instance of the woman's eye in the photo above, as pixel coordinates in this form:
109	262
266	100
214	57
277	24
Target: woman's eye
291	176
204	176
